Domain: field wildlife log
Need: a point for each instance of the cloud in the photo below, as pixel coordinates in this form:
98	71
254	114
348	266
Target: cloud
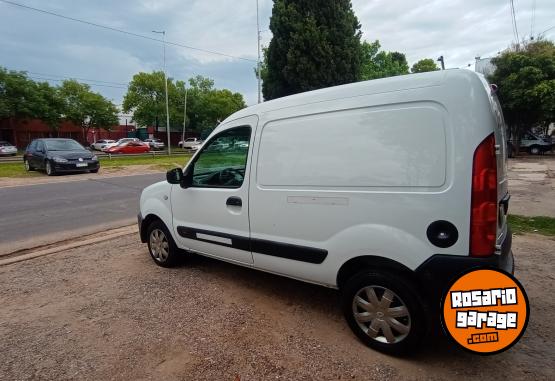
459	30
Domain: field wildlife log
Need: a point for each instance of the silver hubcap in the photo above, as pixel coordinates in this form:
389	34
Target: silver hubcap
159	247
26	165
381	314
48	168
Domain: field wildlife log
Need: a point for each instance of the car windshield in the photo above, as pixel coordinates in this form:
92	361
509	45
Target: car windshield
63	145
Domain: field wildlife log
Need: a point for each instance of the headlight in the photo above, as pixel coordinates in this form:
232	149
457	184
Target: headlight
94	158
58	159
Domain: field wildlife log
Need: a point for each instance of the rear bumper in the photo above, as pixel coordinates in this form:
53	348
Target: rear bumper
440	271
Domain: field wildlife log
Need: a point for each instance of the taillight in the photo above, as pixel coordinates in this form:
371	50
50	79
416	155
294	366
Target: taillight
483	216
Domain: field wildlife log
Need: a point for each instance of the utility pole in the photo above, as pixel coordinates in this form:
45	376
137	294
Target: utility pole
184	116
440	59
258	63
163	33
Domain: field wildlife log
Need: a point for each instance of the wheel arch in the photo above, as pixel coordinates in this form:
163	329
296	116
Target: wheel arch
147	220
356	264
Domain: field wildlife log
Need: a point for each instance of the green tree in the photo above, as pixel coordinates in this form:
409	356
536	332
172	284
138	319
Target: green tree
424	65
525	75
86	108
381	64
21	97
315	44
205	104
146	98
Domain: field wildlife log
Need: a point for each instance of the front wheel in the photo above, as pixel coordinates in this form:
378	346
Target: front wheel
161	245
28	166
535	150
49	169
384	311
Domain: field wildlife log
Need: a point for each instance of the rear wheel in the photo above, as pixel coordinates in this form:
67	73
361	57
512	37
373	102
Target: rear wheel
50	169
161	245
94	170
384	311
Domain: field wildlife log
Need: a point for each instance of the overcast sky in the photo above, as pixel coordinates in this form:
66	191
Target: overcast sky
52	47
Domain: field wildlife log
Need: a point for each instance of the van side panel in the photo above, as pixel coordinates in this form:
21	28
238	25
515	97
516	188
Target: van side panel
368	147
388	165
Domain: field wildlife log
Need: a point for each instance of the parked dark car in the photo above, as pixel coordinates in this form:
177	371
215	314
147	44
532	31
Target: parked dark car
59	155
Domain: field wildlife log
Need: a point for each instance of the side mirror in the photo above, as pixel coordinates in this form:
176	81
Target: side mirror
176	176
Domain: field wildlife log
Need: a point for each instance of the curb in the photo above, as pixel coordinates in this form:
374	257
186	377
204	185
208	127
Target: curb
37	252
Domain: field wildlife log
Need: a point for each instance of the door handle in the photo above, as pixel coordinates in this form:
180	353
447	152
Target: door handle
234	201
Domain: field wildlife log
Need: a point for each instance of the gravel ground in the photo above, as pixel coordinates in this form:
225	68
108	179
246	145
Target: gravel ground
107	312
532	185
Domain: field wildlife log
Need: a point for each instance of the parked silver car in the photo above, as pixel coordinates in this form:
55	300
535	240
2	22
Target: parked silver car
7	149
155	144
101	143
192	144
533	144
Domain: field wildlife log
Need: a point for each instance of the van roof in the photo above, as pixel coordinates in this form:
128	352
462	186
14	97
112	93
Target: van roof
377	86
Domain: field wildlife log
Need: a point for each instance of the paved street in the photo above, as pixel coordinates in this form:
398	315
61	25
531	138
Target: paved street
40	214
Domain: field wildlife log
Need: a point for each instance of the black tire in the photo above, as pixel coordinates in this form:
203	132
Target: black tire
511	150
535	150
49	168
28	166
94	170
411	327
157	255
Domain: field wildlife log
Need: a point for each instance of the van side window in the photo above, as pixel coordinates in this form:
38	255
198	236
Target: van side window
222	161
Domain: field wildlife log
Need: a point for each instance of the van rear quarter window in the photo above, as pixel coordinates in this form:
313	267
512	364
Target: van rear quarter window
372	147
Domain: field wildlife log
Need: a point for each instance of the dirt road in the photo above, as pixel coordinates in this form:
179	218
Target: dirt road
107	312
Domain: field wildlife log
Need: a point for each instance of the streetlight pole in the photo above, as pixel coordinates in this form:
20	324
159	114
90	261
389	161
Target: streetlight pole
163	33
184	116
258	63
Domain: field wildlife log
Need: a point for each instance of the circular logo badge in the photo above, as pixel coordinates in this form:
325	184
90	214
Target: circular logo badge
485	311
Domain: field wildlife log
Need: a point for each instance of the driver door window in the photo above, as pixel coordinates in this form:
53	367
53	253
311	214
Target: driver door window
222	162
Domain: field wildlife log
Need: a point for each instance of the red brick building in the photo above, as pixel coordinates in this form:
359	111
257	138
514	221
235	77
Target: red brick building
21	132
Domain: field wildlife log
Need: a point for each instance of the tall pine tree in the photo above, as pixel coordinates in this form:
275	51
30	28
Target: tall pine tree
315	44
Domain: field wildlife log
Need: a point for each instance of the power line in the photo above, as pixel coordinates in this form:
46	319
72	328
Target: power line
533	21
548	29
72	77
62	80
513	17
126	32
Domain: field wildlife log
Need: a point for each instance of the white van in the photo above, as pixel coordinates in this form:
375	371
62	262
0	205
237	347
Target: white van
388	190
